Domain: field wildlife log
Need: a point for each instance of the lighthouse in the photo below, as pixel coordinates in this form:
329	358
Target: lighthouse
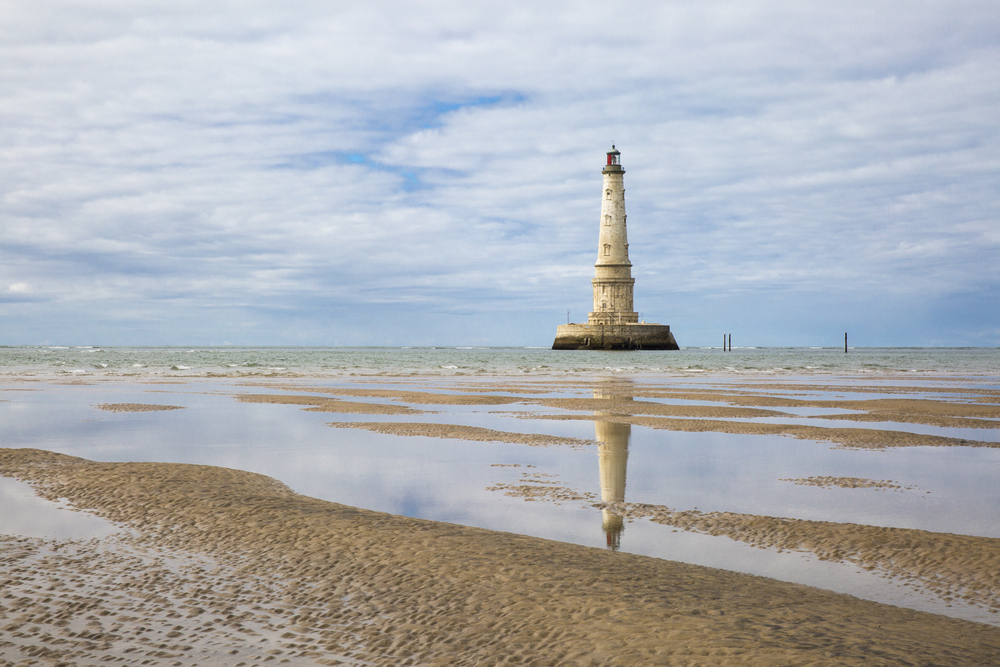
613	279
613	324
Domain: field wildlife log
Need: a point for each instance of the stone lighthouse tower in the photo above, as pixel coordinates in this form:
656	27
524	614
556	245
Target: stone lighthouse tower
613	279
613	324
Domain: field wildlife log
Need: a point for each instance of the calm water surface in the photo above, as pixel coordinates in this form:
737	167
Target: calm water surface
943	489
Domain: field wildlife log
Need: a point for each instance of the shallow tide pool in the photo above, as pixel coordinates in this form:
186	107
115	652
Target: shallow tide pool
938	489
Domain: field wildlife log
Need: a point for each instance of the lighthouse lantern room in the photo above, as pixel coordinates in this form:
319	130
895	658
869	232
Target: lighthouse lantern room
613	156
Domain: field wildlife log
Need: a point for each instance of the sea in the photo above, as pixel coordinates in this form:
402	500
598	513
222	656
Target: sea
231	361
55	398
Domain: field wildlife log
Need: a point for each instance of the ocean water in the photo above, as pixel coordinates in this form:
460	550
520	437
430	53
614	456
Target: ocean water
48	361
50	398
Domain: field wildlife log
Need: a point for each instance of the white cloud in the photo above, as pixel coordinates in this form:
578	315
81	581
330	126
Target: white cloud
309	158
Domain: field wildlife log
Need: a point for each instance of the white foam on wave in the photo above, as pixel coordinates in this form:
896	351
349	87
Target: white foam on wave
178	367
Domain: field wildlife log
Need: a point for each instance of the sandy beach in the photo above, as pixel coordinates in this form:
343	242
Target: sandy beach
216	566
232	568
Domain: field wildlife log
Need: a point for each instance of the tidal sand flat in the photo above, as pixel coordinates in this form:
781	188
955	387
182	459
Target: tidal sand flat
231	567
590	507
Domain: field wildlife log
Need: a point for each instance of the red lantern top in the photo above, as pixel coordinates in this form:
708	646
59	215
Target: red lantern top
613	156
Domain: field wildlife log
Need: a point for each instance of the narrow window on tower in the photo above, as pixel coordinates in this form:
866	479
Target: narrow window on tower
607	220
607	195
607	249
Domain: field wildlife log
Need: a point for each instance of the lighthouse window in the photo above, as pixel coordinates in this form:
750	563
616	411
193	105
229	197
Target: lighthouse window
607	249
607	194
607	220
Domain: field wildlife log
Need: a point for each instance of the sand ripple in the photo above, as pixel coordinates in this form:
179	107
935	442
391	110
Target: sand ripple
951	566
263	572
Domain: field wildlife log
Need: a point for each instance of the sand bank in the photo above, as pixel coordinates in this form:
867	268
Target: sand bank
961	411
542	490
136	407
322	404
859	438
951	566
916	411
981	412
460	432
826	482
262	572
410	396
632	407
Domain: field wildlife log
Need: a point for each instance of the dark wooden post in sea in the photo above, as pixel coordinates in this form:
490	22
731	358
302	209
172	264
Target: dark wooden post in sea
613	324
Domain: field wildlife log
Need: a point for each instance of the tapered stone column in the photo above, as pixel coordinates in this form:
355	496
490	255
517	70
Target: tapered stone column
613	279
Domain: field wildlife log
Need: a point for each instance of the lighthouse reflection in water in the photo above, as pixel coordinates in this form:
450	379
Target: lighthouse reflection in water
613	439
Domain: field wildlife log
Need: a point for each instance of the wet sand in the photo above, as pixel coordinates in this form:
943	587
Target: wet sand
951	566
620	399
854	438
232	567
826	482
460	432
323	404
136	407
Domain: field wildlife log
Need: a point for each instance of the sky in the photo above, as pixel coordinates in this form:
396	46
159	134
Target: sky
428	173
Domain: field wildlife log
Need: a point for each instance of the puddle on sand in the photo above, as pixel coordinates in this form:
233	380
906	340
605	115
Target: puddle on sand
28	515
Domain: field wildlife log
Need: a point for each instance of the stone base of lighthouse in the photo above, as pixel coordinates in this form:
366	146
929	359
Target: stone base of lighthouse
625	336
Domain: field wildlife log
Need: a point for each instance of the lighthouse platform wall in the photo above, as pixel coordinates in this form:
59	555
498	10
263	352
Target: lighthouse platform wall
614	337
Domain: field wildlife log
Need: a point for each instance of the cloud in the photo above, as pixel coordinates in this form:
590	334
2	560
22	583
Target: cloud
174	171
